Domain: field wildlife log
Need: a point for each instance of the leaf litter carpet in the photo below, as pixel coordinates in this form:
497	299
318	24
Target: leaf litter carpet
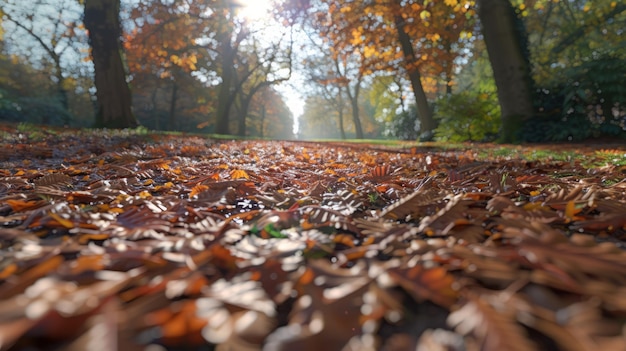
115	241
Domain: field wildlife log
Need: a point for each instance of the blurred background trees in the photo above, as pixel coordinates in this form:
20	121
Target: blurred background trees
407	69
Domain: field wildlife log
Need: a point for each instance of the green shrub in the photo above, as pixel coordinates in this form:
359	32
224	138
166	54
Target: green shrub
404	125
468	116
589	101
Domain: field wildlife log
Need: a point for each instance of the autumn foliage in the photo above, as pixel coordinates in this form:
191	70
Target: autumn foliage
129	240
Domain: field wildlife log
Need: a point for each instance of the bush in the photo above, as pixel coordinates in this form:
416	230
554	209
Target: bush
404	125
37	110
9	109
468	116
590	101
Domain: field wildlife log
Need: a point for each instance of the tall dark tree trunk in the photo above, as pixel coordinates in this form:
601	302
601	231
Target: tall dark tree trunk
354	102
510	67
62	92
171	125
246	100
424	113
153	109
227	91
243	114
342	129
113	94
448	69
263	115
226	95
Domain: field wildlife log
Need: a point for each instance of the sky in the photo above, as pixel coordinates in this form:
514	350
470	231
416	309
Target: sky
253	10
259	10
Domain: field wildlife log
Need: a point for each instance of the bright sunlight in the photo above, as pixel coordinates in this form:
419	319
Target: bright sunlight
255	10
260	11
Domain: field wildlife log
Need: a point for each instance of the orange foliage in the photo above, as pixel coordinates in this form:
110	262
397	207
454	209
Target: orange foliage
438	30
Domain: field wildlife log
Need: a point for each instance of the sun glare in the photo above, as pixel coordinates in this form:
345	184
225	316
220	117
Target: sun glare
255	9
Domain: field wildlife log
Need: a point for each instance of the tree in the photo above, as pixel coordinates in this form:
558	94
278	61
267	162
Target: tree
510	67
47	33
113	93
386	96
428	38
342	64
319	119
162	54
269	116
259	67
425	115
228	51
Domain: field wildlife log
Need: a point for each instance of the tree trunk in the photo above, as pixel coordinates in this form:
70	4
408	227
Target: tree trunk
171	125
113	94
354	102
342	130
62	93
243	113
424	113
226	95
510	68
153	109
262	128
246	100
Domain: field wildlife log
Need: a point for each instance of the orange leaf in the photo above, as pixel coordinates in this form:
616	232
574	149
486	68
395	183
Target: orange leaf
86	238
382	188
87	263
197	190
8	271
344	239
307	277
223	258
43	268
239	174
434	284
21	205
571	211
62	221
381	171
178	322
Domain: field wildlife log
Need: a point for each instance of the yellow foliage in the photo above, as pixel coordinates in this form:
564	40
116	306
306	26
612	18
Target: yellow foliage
356	37
451	3
425	15
369	51
433	37
239	174
430	84
465	35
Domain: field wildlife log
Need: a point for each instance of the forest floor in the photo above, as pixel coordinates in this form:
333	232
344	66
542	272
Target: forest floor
123	240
